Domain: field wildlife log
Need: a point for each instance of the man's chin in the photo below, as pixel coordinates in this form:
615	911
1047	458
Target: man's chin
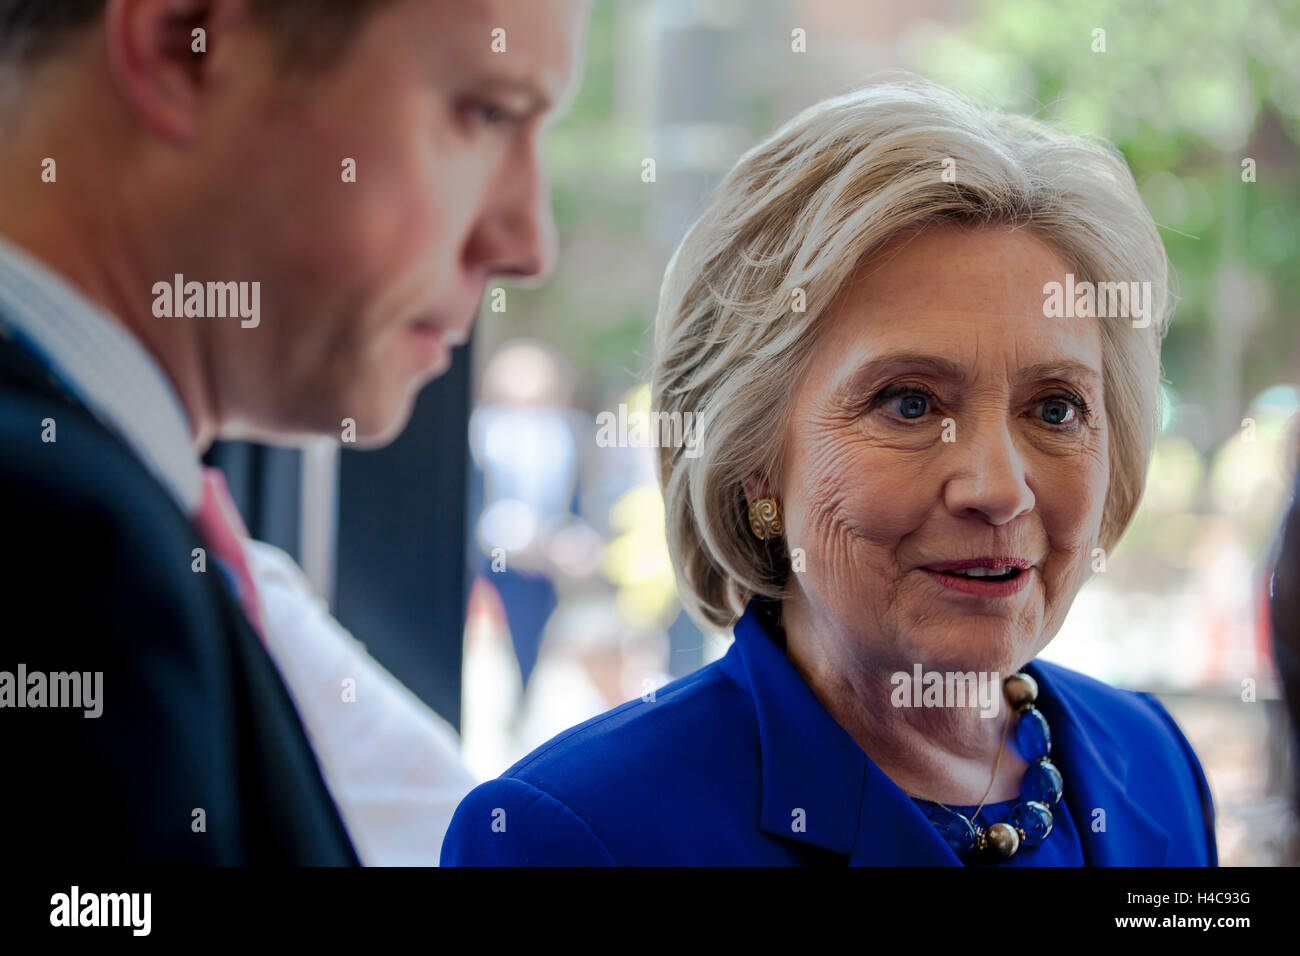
382	436
378	427
365	429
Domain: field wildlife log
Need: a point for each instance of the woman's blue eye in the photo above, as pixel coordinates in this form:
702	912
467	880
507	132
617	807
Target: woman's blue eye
912	402
1075	411
912	406
1060	411
909	402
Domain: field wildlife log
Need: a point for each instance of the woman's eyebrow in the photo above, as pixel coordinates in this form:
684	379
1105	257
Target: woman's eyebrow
943	368
868	371
1059	369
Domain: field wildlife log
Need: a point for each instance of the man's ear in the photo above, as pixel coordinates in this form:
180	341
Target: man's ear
167	56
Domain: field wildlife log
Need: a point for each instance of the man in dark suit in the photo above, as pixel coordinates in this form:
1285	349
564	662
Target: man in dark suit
220	219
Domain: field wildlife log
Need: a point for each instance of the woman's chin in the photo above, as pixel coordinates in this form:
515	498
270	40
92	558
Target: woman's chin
982	646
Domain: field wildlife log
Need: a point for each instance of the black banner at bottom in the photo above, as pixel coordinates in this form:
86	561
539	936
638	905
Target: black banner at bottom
334	906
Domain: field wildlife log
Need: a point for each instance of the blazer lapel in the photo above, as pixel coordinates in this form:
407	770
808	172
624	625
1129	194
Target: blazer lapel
1095	764
291	816
819	787
20	367
893	831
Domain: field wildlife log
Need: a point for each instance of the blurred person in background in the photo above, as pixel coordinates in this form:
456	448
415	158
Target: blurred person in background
580	613
524	441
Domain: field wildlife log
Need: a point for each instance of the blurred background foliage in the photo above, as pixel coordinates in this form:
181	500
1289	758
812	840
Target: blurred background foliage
1187	91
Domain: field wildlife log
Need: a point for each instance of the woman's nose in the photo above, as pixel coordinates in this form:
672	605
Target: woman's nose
989	475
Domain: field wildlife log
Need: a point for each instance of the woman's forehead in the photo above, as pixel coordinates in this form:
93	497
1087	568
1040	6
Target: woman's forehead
963	296
958	268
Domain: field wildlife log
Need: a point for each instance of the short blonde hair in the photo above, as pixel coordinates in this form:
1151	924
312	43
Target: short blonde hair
800	211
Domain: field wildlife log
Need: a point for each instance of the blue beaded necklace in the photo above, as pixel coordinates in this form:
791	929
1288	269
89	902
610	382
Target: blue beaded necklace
1030	820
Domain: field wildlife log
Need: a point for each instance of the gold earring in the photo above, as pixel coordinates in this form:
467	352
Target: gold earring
765	518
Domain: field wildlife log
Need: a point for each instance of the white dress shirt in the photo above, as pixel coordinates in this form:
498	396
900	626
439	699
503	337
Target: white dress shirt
392	765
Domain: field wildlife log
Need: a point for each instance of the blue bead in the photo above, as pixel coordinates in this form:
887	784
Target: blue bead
955	829
1035	819
1042	782
1033	739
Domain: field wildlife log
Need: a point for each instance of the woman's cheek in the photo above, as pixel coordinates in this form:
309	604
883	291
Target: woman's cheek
1074	499
1071	513
850	503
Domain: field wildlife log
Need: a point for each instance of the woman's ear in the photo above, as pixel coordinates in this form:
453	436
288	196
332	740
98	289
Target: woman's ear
755	488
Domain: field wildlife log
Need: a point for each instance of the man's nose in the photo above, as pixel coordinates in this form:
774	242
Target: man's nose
991	477
516	234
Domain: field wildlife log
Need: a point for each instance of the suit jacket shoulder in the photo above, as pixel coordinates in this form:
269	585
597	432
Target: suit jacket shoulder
615	788
197	755
1162	768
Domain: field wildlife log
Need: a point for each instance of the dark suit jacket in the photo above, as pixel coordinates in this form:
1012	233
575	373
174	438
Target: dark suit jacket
95	574
712	770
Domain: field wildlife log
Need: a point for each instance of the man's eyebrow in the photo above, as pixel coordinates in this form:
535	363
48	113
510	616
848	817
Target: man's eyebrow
537	99
944	368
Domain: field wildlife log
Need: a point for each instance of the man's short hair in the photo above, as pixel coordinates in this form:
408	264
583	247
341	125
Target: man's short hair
308	34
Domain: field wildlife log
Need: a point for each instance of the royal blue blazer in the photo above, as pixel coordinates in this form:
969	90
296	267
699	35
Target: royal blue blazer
713	769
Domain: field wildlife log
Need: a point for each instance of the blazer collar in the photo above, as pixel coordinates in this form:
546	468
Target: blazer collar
821	788
102	366
1096	763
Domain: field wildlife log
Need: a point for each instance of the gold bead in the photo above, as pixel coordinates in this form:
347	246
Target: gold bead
1003	838
1020	689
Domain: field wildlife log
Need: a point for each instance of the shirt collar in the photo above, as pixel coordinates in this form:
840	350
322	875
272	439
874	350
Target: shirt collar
812	764
103	366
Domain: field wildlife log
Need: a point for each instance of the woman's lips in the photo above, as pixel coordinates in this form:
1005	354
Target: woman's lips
982	587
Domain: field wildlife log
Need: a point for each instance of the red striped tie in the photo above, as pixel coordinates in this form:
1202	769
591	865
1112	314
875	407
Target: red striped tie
222	529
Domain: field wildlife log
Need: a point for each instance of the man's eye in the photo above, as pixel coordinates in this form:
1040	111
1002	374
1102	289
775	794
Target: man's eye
486	113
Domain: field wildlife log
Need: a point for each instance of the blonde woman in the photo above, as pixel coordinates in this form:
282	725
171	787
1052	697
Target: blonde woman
930	405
